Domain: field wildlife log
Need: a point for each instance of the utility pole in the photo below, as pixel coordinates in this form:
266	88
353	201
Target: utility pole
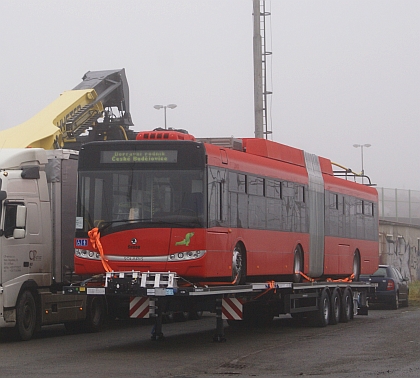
260	69
258	91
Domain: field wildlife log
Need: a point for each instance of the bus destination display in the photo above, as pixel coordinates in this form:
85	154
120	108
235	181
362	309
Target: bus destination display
146	156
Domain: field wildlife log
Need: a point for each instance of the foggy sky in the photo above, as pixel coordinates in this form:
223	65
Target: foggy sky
342	72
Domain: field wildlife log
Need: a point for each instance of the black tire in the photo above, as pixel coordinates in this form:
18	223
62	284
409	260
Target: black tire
335	306
297	265
356	266
238	266
25	316
95	314
396	303
346	306
323	314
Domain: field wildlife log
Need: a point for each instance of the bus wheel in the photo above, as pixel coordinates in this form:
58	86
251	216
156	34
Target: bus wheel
238	266
25	316
346	306
297	265
335	306
356	266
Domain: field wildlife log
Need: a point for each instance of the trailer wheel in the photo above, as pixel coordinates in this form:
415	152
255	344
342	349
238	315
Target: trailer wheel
346	306
297	265
25	316
95	314
335	306
238	265
323	314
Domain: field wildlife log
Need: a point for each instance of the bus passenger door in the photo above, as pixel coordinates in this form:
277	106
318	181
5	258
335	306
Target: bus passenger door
218	247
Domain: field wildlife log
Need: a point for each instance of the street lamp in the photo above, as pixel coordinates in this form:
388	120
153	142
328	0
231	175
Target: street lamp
170	106
361	148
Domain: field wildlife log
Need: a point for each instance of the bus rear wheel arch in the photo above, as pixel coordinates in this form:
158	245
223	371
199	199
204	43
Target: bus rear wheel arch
356	265
239	264
297	264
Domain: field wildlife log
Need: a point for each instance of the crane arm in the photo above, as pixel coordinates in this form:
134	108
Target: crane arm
76	112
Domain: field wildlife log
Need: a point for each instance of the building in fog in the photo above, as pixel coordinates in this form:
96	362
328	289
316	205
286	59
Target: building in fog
399	230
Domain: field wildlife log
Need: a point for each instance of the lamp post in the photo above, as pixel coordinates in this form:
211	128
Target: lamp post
170	106
361	148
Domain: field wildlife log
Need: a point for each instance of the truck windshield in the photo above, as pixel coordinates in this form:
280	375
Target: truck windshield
141	198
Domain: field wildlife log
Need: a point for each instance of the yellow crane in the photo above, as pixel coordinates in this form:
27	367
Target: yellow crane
72	118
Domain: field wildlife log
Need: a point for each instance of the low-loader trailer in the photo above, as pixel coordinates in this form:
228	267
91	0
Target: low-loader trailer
154	294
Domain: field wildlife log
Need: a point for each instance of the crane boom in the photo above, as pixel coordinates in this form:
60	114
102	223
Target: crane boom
76	112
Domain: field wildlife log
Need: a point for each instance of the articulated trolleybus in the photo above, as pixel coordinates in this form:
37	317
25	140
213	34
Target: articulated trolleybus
220	211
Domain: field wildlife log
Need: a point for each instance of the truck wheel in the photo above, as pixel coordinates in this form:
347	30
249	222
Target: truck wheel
238	266
323	314
346	306
25	316
95	314
335	306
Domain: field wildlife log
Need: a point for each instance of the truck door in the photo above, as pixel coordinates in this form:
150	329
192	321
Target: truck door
15	249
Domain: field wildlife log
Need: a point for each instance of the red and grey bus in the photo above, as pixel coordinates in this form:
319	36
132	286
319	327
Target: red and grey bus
235	210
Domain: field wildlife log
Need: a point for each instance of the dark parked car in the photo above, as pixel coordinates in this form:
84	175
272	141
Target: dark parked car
392	286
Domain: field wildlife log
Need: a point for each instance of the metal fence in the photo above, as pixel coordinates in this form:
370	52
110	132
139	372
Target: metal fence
399	205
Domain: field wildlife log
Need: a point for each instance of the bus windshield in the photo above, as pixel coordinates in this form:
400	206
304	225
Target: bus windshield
124	199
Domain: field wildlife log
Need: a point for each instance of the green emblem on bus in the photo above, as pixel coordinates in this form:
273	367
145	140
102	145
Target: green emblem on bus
187	239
